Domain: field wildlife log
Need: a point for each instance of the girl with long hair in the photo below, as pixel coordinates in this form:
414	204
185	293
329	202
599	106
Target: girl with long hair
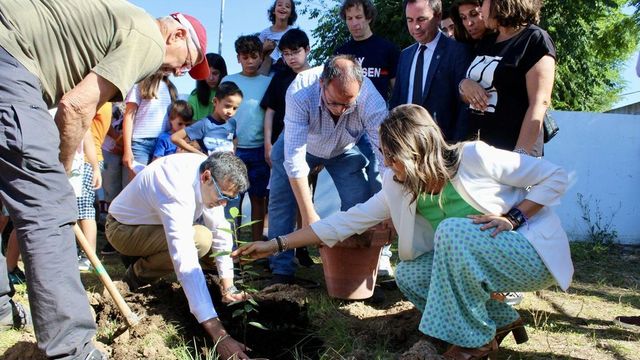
145	117
201	98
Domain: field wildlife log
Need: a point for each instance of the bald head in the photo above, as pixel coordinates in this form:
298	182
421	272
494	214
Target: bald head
342	68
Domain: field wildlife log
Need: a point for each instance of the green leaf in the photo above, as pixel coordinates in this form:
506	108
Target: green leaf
228	231
234	212
258	325
220	253
252	301
251	272
237	313
248	224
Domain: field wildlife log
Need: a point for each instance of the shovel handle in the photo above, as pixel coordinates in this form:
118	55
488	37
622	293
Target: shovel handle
130	317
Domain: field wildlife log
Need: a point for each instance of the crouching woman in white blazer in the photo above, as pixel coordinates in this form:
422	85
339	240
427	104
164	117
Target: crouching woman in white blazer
494	230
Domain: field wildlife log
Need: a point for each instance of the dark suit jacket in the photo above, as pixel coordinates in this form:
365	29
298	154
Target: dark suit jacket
448	66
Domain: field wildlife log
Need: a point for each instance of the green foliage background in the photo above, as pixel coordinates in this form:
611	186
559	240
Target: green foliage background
593	38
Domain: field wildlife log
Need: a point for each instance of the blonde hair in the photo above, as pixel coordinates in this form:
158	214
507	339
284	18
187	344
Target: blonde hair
410	136
149	86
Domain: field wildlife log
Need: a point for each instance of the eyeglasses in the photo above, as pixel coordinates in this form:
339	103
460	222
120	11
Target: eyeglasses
222	196
188	62
289	54
336	105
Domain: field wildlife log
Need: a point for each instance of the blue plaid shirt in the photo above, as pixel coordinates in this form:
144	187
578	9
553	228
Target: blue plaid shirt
309	127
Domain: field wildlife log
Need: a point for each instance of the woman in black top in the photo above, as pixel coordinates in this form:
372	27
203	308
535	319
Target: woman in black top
510	81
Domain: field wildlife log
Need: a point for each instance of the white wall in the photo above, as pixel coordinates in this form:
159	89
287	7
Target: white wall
601	152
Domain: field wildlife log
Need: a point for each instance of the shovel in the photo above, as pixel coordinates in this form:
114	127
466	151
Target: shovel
130	317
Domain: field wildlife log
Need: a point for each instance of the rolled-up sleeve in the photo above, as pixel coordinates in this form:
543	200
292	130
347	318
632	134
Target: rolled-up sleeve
356	220
295	136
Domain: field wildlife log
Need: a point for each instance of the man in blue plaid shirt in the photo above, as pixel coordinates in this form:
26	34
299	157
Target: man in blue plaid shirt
328	108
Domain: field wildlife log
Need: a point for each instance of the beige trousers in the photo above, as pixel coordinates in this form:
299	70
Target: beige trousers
150	243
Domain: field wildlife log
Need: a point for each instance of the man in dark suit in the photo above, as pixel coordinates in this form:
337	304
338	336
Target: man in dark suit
436	62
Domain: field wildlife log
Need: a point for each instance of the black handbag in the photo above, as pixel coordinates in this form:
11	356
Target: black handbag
550	127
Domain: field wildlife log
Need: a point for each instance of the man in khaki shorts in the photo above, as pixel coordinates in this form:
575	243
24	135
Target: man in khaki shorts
153	218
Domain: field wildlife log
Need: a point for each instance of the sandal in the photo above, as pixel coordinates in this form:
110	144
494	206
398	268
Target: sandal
518	330
488	351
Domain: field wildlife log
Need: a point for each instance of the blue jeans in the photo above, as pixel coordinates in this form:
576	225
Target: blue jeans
142	149
373	176
348	174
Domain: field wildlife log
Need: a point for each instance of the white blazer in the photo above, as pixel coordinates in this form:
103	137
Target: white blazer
490	180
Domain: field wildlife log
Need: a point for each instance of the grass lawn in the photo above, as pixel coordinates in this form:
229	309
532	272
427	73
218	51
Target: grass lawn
572	325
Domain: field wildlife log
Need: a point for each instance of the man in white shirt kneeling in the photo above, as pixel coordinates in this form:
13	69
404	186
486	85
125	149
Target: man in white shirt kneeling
156	217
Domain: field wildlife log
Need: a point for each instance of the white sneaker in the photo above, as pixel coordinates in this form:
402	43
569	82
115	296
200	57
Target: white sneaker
84	264
384	266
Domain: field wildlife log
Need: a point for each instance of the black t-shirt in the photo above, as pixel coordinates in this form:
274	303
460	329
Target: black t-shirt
274	98
378	58
501	68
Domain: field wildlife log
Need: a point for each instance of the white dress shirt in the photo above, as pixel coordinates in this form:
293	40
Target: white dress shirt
427	54
167	193
310	128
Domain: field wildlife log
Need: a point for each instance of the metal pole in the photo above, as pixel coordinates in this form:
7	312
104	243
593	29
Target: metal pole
220	31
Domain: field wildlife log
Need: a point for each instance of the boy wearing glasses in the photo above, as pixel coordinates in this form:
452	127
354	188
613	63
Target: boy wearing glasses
154	218
294	47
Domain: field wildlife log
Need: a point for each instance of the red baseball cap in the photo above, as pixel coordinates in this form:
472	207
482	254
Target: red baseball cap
199	71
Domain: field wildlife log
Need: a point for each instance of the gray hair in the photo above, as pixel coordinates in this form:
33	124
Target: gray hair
435	5
351	72
224	165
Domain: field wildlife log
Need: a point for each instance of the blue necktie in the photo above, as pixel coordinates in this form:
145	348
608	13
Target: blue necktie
417	77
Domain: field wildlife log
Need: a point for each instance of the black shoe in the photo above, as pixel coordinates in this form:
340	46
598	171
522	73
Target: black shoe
18	318
132	280
108	249
128	260
302	254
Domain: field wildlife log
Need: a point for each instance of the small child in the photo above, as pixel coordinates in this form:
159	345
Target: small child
249	125
180	115
214	132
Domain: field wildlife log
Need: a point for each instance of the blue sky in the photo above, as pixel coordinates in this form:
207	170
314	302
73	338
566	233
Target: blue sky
243	17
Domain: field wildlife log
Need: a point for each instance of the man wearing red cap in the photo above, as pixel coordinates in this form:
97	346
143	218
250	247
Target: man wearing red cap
76	54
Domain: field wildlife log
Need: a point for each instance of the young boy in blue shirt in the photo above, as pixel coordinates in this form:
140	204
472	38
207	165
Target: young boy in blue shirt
249	125
180	115
213	133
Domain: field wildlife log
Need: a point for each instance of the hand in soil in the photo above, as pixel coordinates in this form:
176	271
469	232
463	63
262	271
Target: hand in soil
255	250
234	296
228	348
